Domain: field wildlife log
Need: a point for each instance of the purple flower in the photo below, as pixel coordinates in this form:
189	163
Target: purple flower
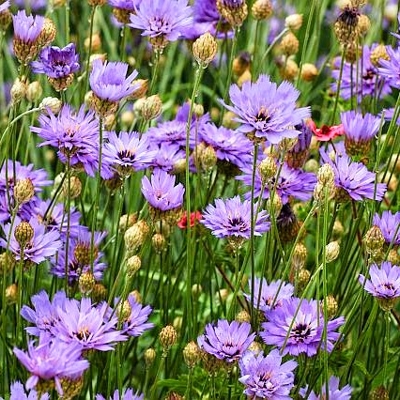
265	377
51	359
88	326
57	63
367	83
75	135
80	256
226	341
229	145
389	224
290	183
39	246
127	394
353	178
297	326
389	68
267	296
18	393
27	27
169	132
129	5
109	82
232	217
162	20
33	4
384	282
160	191
334	392
266	110
136	322
168	156
358	127
126	153
44	313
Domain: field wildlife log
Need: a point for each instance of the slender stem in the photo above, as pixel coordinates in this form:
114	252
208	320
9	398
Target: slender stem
92	14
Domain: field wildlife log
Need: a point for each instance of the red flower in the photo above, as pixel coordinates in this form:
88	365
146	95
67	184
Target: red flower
325	133
194	217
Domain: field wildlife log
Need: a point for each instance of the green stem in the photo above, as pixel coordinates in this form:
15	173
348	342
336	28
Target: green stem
86	85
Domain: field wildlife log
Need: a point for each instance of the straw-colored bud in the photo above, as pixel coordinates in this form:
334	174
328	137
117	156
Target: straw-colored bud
86	282
255	347
363	25
126	221
311	165
294	21
374	239
168	337
149	357
229	120
289	70
135	235
394	257
308	72
241	63
261	9
379	393
303	277
23	233
51	103
179	166
73	189
95	45
208	158
191	354
159	242
7	262
133	265
99	292
299	256
332	251
136	296
243	316
245	77
289	44
34	92
141	88
83	253
5	19
177	323
18	90
198	110
204	49
379	53
124	310
23	190
331	306
337	230
197	290
274	205
12	294
151	108
71	388
234	14
267	168
48	33
326	175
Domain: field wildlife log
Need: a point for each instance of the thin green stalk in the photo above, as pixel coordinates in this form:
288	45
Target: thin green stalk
339	83
387	345
86	85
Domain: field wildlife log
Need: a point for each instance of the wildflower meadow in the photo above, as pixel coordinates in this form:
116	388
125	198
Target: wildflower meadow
199	199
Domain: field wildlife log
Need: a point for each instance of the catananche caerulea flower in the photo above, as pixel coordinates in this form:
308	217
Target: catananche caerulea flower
333	390
297	328
268	295
290	183
31	239
161	192
232	218
74	134
162	21
389	224
126	153
51	360
266	110
226	341
353	179
127	394
169	157
27	29
384	283
368	82
18	393
266	377
389	68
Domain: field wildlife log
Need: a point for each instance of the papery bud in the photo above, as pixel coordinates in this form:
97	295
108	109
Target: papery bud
198	110
289	70
86	282
48	33
261	9
208	158
71	190
7	263
151	108
23	190
23	233
135	235
299	256
51	103
222	295
96	2
18	91
331	306
338	229
133	265
234	12
243	316
294	22
99	292
311	165
95	45
141	88
274	205
34	92
379	393
126	221
326	175
267	168
379	53
289	44
159	242
71	388
394	257
228	120
308	72
177	323
241	63
191	354
168	337
124	310
303	277
332	251
363	25
136	296
149	357
12	294
205	49
374	241
5	19
127	119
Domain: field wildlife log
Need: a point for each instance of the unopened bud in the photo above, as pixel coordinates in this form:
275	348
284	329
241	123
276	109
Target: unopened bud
12	294
126	221
241	63
23	190
151	108
299	256
326	175
99	292
48	33
289	44
191	354
159	242
294	21
332	251
379	53
197	290
18	91
208	158
34	92
86	282
261	9
73	189
51	103
149	357
141	87
234	12
308	72
135	235
228	120
23	233
204	49
364	24
133	265
267	169
96	43
289	70
243	316
168	337
331	306
379	393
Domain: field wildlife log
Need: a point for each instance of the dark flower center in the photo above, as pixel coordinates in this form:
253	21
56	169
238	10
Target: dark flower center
301	332
237	222
388	286
83	334
349	16
126	154
369	74
263	115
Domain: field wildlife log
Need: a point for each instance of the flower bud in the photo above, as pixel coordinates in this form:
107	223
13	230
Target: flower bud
299	256
99	292
23	233
136	296
234	12
294	22
379	393
331	306
308	72
204	49
168	337
86	282
71	388
208	158
133	265
267	168
18	91
364	24
374	241
34	92
289	70
289	44
71	190
7	262
23	190
95	45
5	19
12	294
126	221
332	251
379	53
241	63
149	357
51	103
151	108
243	316
228	120
48	33
326	175
159	242
135	235
261	9
141	88
191	354
197	290
338	230
93	3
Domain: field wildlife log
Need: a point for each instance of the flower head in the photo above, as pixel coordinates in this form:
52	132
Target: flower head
51	360
389	68
267	110
74	134
296	327
226	341
334	392
162	20
267	296
389	224
18	393
231	217
265	377
160	191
